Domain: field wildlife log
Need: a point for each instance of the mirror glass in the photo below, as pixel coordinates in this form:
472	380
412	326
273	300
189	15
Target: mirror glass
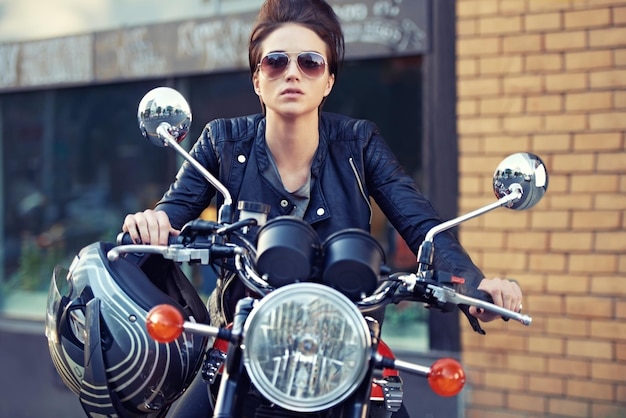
525	169
164	106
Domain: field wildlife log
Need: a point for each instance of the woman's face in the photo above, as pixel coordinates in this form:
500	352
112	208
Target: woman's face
292	93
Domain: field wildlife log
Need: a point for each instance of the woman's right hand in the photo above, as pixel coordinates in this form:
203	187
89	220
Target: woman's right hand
149	227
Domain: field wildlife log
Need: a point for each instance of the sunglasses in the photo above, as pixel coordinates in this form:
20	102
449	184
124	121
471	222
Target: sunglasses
274	64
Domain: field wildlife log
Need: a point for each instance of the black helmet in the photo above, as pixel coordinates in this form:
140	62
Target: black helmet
96	329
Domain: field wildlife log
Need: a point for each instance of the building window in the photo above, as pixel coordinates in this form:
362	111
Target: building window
75	164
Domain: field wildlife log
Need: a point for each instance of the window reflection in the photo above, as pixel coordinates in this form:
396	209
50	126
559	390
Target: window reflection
75	163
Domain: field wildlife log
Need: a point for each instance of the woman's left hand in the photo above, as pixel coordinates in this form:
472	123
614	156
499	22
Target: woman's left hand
505	293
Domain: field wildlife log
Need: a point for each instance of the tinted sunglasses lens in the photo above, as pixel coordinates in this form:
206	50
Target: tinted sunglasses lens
274	64
311	64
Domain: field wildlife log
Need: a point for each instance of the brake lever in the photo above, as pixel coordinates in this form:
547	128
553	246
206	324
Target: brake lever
448	295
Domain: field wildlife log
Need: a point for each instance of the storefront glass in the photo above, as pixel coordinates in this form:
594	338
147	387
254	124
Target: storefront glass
74	164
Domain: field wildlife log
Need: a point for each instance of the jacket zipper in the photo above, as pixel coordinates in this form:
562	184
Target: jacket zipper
358	180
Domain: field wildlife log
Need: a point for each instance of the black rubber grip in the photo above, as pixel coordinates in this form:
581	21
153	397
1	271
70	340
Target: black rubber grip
123	238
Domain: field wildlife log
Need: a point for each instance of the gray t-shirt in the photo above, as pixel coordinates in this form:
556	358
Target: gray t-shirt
300	197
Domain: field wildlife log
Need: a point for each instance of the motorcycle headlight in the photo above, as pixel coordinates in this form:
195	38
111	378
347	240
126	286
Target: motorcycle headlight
307	347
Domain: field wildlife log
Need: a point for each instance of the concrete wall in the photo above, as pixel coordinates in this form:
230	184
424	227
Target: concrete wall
549	77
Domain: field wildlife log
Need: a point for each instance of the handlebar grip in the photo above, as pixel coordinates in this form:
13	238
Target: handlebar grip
123	238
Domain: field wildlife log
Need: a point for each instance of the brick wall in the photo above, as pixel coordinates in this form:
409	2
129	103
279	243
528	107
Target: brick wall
549	77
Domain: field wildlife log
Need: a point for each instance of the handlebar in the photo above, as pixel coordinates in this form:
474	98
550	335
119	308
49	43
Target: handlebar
434	288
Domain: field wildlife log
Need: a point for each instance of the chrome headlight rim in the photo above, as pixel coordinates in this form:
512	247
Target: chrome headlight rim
348	312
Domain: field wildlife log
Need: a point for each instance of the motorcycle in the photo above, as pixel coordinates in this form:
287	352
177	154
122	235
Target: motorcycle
303	341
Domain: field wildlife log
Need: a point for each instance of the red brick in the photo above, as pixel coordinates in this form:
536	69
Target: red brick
522	43
504	380
570	408
544	103
480	87
523	123
467	107
566	122
612	37
588	59
575	201
551	304
466	68
614	78
619	15
587	18
608	286
610	330
546	385
570	368
565	41
544	62
608	371
588	307
610	409
571	241
551	219
619	57
529	403
478	46
499	260
597	141
543	22
475	8
523	84
526	363
501	105
611	241
482	239
573	163
576	348
552	5
466	27
596	183
489	398
477	126
619	99
609	201
501	65
484	359
586	389
602	100
499	25
551	142
548	262
568	284
566	82
607	121
568	326
534	241
592	263
515	7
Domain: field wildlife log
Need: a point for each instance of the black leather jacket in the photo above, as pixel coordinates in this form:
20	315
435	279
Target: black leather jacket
352	164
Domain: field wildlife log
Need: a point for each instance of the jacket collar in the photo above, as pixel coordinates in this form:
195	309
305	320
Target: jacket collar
260	148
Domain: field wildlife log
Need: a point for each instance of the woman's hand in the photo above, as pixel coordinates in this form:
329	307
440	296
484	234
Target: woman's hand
149	227
505	293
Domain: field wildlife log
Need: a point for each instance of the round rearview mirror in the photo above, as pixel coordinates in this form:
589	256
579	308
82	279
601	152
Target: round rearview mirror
166	108
526	170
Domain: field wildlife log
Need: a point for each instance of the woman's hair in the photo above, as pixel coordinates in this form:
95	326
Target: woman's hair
316	15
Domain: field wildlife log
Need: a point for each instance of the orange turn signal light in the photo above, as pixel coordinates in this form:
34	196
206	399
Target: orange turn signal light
446	377
164	323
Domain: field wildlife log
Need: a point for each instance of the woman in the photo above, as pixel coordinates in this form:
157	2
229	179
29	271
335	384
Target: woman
320	167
